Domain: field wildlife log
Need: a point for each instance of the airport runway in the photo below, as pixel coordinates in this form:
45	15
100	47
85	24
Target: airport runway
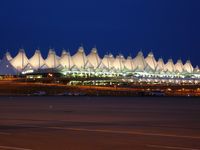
99	123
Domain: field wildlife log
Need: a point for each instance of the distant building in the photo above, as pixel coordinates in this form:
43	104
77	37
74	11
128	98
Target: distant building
92	64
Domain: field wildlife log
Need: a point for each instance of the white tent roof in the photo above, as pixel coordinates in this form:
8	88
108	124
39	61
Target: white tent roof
179	66
52	60
196	69
37	61
151	61
160	65
89	66
94	58
139	62
66	60
108	61
188	67
148	69
20	61
169	66
44	67
6	68
129	63
102	66
8	56
28	67
92	62
111	59
118	63
105	61
80	59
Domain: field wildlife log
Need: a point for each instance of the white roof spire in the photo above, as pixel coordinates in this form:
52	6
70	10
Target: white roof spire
20	61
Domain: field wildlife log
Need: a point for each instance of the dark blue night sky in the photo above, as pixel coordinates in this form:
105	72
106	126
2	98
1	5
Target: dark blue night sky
169	28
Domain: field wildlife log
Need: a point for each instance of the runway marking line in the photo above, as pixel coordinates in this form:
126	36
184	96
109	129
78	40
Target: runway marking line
13	148
171	147
126	132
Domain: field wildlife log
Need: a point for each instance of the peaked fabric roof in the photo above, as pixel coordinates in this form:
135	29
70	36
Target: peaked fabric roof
20	61
196	69
102	66
139	62
118	63
28	67
94	58
37	61
8	56
169	66
52	60
148	69
188	67
66	60
89	66
160	65
179	66
151	61
43	67
128	64
80	59
93	62
108	61
111	59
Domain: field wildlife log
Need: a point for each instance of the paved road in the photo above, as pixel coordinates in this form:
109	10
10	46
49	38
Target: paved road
99	123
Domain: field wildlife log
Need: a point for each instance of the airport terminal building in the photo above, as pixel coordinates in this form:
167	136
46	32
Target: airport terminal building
144	69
